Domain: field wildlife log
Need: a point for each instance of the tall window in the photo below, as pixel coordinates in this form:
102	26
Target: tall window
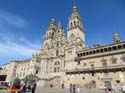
123	59
92	67
57	67
114	60
57	44
71	24
104	63
57	52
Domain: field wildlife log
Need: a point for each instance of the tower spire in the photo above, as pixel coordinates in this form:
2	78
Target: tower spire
52	23
59	25
74	11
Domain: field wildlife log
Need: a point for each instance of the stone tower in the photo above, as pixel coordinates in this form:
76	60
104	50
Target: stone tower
116	38
75	38
75	27
50	33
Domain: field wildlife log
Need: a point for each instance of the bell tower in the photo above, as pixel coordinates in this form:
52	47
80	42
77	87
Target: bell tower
116	38
75	26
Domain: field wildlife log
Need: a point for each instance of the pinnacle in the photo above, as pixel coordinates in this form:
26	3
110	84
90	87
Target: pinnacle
115	33
59	25
53	20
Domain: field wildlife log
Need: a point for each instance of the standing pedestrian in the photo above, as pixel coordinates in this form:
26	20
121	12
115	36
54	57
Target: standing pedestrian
70	88
116	89
23	87
74	88
28	87
63	85
123	88
33	87
78	89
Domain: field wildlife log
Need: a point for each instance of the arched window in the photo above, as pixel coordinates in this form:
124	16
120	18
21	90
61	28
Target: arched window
97	51
74	22
71	24
53	34
94	52
105	49
101	50
37	71
119	47
124	46
57	67
114	48
109	49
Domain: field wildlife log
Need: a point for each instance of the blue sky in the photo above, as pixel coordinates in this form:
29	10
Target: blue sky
23	23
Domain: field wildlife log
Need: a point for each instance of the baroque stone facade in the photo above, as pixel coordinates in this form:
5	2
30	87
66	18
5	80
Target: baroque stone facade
66	58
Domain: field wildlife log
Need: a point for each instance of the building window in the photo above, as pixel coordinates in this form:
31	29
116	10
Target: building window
124	46
114	60
104	64
57	44
117	81
84	64
78	63
92	67
123	58
52	33
57	67
71	24
36	71
57	52
54	69
74	22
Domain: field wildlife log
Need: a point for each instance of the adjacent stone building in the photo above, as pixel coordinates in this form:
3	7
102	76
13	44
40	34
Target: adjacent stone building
66	59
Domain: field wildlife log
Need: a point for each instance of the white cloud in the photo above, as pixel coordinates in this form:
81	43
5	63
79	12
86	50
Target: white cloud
11	48
12	19
14	46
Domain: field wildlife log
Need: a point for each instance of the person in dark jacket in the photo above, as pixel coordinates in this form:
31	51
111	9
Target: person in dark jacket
33	87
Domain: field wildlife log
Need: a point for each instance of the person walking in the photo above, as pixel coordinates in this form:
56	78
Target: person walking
70	88
74	88
23	87
63	85
78	89
28	87
33	87
123	88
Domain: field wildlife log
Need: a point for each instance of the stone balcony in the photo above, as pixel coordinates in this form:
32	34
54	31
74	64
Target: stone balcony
97	69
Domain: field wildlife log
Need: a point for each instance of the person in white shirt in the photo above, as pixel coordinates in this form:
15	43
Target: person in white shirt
123	88
78	89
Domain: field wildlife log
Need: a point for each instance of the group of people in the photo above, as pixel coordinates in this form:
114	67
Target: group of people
74	88
23	87
116	89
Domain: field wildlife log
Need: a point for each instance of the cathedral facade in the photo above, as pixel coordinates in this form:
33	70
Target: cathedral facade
66	59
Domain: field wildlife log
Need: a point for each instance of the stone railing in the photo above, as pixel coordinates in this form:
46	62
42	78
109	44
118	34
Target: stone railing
97	69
